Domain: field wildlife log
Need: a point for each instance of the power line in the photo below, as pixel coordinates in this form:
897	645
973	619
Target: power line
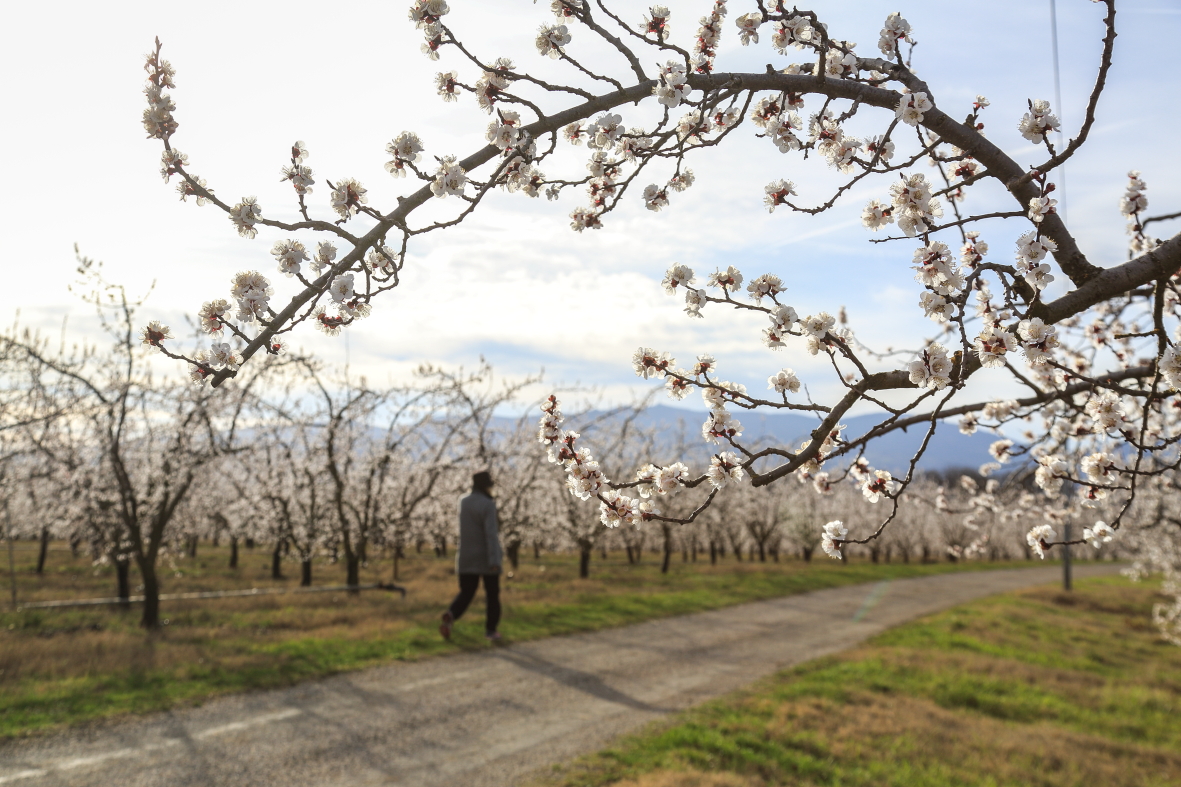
1058	103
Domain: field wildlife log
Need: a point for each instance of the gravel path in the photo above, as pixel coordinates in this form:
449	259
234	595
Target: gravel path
488	717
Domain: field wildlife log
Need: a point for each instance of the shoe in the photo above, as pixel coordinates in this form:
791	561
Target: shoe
494	636
445	626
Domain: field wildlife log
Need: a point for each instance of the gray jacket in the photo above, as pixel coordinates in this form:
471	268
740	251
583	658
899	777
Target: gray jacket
479	539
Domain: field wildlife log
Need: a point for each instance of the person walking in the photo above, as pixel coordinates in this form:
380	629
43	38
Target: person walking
479	555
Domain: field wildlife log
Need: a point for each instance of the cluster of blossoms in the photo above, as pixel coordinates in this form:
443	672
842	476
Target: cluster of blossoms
777	118
158	120
406	151
245	215
1038	122
912	206
832	537
551	39
705	48
450	179
426	16
298	173
672	87
912	108
932	369
253	293
1032	248
585	479
348	197
1041	537
793	31
830	141
1132	205
895	30
655	23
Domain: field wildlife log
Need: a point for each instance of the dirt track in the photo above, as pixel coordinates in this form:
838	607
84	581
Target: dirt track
490	717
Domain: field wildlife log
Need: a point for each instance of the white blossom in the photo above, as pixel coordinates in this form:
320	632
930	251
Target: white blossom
776	193
449	179
347	197
1098	535
932	369
1038	122
550	40
1107	411
650	363
783	381
1038	340
677	275
245	215
406	148
290	254
724	468
912	106
833	532
1037	538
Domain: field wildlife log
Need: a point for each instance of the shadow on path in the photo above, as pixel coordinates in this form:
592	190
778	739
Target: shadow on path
586	682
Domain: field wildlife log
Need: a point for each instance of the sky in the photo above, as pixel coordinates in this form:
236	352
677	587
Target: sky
513	283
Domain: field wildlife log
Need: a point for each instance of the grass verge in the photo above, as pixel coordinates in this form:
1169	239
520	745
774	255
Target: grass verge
69	666
1036	687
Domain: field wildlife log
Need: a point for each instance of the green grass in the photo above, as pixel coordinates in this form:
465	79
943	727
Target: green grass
1031	688
62	667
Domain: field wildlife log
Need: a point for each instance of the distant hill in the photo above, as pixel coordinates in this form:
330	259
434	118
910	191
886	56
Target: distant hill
948	448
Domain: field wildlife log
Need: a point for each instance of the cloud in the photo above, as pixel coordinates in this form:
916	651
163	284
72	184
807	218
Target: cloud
513	282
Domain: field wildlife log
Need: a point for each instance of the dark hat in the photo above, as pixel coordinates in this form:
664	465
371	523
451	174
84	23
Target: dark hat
482	479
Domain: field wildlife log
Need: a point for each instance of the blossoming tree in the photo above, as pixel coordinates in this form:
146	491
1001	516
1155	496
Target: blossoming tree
1098	364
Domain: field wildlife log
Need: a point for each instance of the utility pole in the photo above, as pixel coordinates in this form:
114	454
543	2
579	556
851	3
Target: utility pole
1066	584
11	559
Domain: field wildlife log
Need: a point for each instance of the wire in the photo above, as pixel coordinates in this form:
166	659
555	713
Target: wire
1058	103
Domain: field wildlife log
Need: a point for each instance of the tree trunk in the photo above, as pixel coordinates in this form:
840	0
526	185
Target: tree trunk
584	555
192	548
906	556
151	615
353	571
305	572
123	583
233	551
762	552
713	552
44	551
250	543
875	553
668	549
513	551
630	559
603	552
537	550
277	561
808	554
889	550
926	554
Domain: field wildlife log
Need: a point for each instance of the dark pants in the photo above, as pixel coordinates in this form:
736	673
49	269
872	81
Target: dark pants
468	584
